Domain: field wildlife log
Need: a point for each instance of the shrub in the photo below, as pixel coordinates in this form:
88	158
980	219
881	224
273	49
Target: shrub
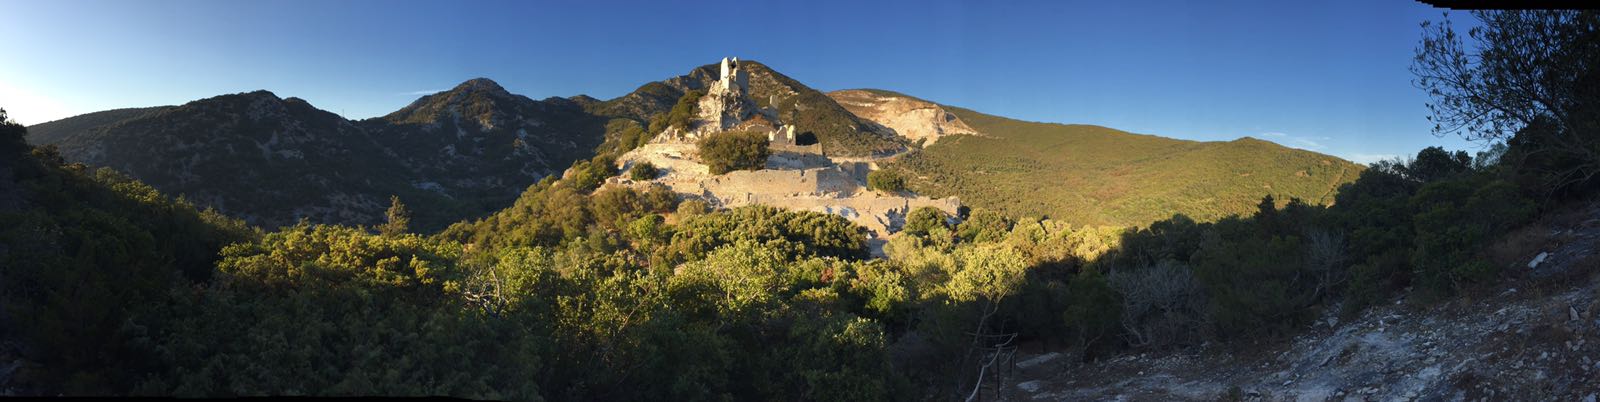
984	226
659	199
692	208
886	180
734	150
1454	218
924	220
680	115
587	175
644	171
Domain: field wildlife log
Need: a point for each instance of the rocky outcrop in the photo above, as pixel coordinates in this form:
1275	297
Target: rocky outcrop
797	176
778	99
912	118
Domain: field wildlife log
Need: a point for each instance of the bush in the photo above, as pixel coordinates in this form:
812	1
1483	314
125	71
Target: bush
1453	219
680	115
734	150
1162	304
587	175
922	221
692	208
644	171
886	180
984	226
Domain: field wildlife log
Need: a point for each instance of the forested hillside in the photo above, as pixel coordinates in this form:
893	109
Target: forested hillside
1091	175
456	154
614	294
584	290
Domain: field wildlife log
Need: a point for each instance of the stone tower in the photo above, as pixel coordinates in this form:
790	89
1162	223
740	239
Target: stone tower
732	78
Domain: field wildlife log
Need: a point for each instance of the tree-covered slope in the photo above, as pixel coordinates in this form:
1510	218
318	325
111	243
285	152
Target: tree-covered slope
89	261
253	155
1088	174
272	161
56	131
479	146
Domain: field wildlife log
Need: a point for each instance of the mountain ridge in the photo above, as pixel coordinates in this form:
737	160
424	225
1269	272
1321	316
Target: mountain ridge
470	150
311	163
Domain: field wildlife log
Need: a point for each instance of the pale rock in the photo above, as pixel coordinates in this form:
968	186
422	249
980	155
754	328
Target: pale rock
1030	386
1538	260
1038	360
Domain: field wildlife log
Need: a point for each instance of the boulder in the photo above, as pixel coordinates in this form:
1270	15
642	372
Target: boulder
1538	260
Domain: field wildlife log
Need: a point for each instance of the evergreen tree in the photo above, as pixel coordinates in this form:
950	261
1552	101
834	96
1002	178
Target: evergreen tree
399	218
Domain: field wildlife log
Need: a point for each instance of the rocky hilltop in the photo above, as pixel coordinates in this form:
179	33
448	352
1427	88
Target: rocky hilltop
840	132
799	174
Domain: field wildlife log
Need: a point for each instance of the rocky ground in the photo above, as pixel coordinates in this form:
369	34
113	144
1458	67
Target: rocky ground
1537	337
914	119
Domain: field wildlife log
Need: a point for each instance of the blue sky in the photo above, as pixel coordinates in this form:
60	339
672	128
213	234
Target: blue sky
1326	76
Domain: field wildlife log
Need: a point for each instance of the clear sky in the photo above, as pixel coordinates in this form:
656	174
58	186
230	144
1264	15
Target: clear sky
1326	76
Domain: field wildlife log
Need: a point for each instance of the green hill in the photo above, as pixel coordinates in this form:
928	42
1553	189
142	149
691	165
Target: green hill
1095	175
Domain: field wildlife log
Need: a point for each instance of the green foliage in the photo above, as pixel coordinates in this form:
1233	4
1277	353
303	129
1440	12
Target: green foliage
587	175
331	170
924	221
803	233
88	263
623	135
692	208
1255	281
1092	309
987	272
397	218
734	150
680	115
12	136
578	292
643	171
1527	80
1454	219
984	226
733	281
328	310
613	207
886	180
337	256
1090	175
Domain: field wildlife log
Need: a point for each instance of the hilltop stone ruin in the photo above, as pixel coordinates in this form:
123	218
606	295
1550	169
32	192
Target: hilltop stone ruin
797	175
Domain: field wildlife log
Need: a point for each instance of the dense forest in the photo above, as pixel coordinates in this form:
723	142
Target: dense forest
586	292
